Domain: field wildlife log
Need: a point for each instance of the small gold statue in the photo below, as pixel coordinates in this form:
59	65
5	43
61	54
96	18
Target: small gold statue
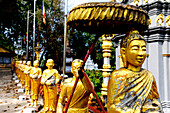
79	101
49	80
27	78
35	75
132	89
22	75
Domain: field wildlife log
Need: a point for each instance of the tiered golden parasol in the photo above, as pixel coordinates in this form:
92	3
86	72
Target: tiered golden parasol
105	18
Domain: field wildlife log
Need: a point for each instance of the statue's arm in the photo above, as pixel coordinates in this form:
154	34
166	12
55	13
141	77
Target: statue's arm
84	81
40	73
42	79
58	77
61	99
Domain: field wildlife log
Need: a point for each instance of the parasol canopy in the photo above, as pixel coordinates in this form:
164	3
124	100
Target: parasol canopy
107	18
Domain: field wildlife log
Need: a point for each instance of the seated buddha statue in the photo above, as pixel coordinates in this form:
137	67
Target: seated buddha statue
35	75
50	80
79	101
132	89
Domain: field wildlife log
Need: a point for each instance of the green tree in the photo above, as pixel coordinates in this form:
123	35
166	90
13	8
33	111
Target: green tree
80	42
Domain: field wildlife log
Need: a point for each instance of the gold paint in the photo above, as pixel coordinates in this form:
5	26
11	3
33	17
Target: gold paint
49	80
35	75
27	78
132	89
79	101
106	66
104	85
160	19
106	54
167	20
106	74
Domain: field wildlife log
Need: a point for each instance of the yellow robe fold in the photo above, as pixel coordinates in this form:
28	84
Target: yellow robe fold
50	91
35	75
132	92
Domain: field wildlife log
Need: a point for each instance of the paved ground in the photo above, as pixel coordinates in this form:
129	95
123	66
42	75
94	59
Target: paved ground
9	102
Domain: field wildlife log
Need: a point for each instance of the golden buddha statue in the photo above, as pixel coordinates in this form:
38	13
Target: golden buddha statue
132	89
22	75
35	75
79	101
49	80
27	78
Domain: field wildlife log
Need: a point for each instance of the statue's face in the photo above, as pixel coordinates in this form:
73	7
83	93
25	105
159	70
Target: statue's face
75	66
29	63
136	53
50	64
36	63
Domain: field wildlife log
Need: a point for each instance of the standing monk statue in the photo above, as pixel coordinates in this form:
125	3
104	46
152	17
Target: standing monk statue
35	75
79	101
23	65
132	89
27	78
49	80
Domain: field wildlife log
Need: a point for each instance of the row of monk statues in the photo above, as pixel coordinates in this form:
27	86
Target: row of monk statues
131	89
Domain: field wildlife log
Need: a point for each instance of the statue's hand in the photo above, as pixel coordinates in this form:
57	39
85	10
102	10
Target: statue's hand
48	83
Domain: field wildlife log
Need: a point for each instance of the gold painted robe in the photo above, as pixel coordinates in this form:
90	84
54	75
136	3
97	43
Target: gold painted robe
50	91
35	75
133	92
27	77
22	75
79	101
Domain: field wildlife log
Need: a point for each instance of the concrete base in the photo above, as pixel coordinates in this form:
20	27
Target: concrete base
29	110
21	90
22	97
19	85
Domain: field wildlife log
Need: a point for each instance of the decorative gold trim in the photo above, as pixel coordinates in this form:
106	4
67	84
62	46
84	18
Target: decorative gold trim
103	92
166	55
106	66
107	18
106	74
104	85
106	54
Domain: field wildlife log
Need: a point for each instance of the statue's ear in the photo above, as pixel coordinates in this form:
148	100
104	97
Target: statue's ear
123	56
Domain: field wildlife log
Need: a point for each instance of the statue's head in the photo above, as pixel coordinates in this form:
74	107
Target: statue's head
24	62
36	63
133	49
75	65
29	63
50	63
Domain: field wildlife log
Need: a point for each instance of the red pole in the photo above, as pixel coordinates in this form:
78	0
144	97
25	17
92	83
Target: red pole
75	84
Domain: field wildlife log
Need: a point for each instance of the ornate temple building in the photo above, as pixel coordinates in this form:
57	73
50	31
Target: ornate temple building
158	46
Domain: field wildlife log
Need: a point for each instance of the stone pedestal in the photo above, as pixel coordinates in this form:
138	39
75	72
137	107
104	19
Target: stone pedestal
22	97
21	90
16	81
19	85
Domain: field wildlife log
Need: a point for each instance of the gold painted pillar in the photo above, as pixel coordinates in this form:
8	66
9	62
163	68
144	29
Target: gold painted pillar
107	45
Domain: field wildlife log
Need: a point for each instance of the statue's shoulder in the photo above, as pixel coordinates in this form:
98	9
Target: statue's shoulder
45	71
119	73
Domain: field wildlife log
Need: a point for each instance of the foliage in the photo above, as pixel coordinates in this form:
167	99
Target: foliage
80	42
96	77
13	24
